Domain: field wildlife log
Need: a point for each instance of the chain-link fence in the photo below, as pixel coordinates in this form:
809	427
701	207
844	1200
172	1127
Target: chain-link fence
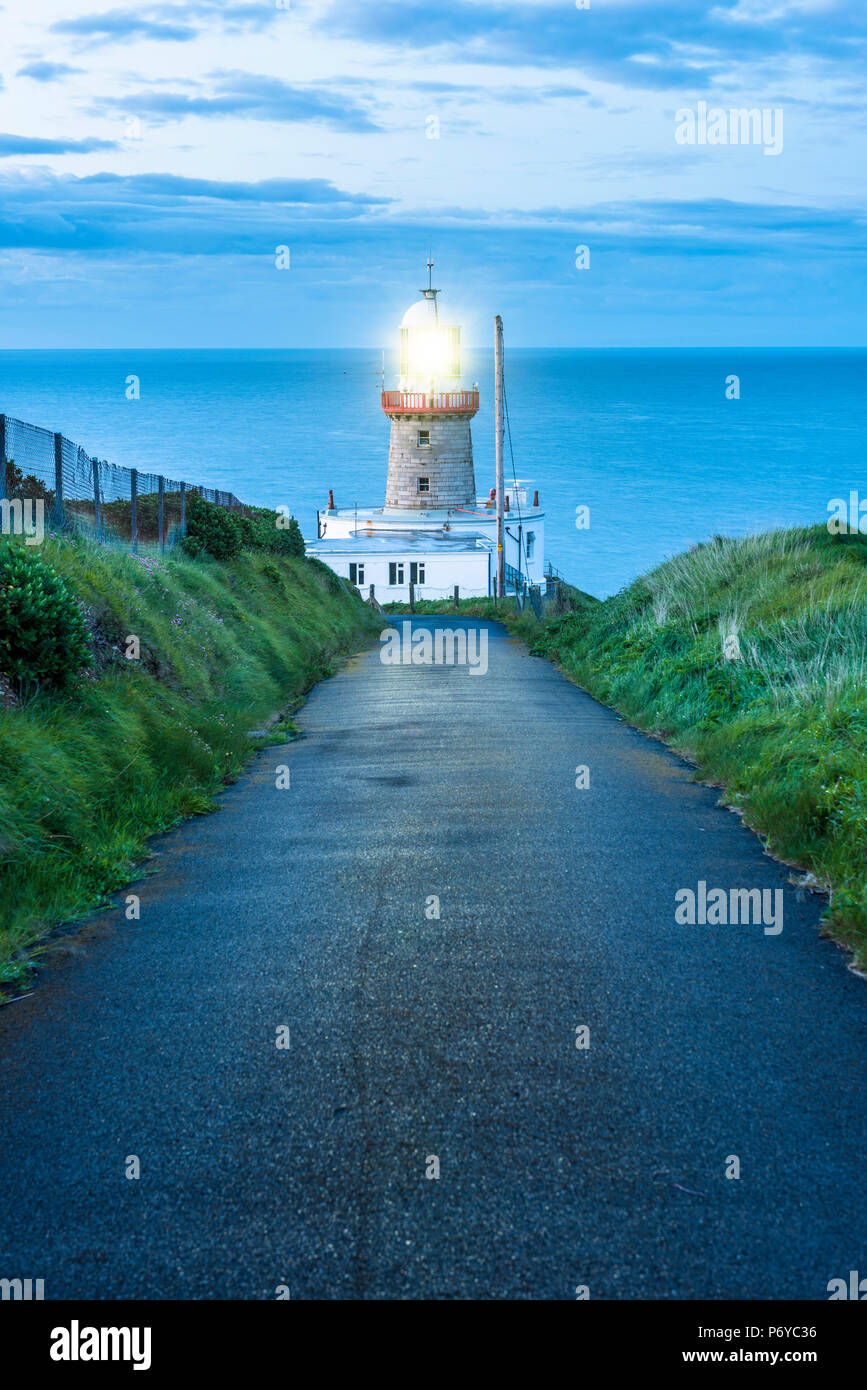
78	492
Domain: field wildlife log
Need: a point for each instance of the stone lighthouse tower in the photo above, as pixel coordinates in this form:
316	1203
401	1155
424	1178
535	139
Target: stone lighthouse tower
433	536
430	456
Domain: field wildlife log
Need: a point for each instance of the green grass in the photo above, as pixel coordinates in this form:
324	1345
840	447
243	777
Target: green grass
135	746
783	729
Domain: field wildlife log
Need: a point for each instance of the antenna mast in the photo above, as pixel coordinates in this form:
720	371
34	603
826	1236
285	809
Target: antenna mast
498	441
430	292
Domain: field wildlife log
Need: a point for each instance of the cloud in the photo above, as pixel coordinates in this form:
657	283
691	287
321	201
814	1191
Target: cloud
96	263
237	18
687	44
162	24
26	144
46	72
124	215
674	228
246	96
522	96
266	191
116	25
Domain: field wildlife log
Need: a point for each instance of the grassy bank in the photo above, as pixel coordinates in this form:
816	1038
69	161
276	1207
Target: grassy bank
782	726
132	746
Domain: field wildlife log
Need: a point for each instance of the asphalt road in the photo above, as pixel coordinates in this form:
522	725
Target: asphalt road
413	1037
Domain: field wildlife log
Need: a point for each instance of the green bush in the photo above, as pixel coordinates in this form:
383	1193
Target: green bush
116	516
272	532
211	529
43	639
290	540
17	484
222	534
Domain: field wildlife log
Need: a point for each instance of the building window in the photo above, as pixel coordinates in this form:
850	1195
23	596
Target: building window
424	439
531	541
416	572
424	484
395	573
356	573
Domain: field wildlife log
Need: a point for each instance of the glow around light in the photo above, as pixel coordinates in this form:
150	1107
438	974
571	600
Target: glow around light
429	353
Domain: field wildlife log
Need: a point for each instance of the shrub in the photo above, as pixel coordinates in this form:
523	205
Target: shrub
272	532
43	638
117	516
216	531
288	539
211	529
17	484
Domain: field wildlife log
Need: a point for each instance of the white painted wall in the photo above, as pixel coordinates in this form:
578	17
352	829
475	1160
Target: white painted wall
469	570
342	527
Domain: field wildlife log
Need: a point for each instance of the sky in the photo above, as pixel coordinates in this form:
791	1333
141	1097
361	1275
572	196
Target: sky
155	158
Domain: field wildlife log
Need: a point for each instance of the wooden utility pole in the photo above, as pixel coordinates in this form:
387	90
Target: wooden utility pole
499	434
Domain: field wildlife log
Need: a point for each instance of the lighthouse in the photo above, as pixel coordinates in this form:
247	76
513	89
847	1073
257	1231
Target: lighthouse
433	532
430	452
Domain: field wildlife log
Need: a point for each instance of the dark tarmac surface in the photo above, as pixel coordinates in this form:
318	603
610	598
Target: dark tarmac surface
413	1037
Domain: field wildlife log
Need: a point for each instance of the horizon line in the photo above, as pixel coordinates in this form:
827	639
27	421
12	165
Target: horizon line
476	347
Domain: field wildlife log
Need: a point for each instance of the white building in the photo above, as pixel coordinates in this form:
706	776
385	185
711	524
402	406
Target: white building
433	531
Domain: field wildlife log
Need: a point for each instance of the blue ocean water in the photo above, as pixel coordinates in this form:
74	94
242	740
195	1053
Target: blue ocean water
646	439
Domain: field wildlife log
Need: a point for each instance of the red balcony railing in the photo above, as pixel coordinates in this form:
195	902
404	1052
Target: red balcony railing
418	403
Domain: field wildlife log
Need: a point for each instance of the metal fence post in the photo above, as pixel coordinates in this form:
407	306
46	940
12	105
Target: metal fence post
7	491
97	506
411	597
58	479
161	488
183	509
133	516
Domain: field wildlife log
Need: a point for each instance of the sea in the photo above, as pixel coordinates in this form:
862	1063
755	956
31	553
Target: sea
662	448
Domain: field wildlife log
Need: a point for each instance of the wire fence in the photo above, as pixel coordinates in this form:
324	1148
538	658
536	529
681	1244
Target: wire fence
123	506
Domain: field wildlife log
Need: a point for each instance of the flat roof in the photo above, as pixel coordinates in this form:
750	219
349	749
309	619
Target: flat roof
394	542
455	516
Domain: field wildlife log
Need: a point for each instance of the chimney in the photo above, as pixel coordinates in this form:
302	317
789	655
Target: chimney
506	503
331	506
536	498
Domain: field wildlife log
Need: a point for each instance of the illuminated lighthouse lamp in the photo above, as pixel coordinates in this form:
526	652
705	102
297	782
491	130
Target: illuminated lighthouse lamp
430	349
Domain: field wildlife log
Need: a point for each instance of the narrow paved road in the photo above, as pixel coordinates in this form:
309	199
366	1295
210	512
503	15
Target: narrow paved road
412	1037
